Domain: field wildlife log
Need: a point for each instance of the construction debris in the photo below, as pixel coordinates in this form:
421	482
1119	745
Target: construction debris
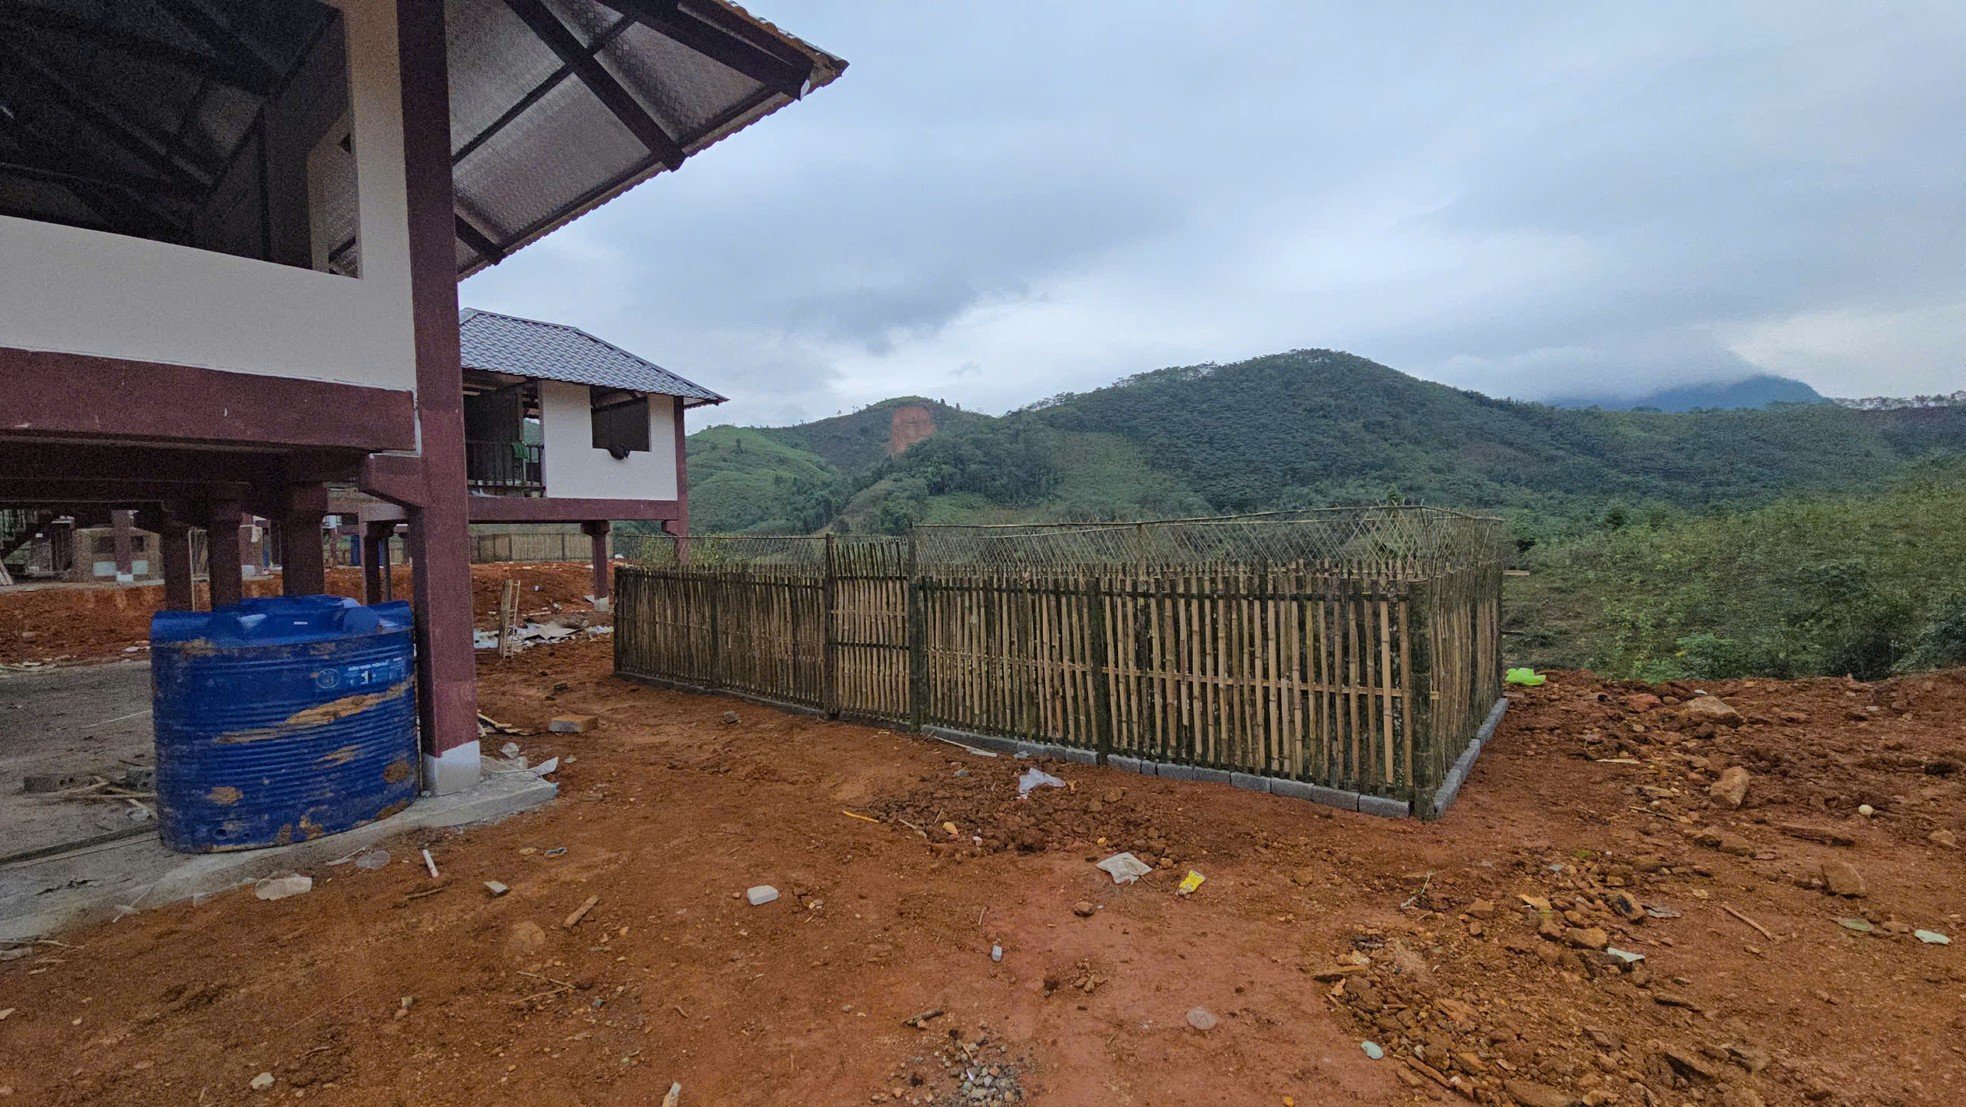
280	887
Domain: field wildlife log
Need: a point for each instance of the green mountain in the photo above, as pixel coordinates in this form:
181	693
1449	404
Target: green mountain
1288	430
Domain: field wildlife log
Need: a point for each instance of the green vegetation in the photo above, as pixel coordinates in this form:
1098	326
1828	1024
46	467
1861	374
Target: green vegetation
1793	539
1865	583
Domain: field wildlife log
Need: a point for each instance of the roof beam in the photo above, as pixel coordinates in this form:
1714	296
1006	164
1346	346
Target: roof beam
199	20
537	93
720	44
65	172
112	124
224	70
548	29
480	242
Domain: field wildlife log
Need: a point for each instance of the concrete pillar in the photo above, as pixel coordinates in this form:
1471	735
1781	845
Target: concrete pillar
224	552
440	529
174	557
121	523
603	577
303	568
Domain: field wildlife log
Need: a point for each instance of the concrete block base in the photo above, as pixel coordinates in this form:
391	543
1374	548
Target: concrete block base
95	883
1383	807
1249	782
1463	765
1132	765
453	770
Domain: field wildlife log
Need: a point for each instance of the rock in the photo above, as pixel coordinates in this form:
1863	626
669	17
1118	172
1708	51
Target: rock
1710	710
573	724
1528	1093
1586	937
495	888
730	718
1373	1050
1642	701
761	894
1944	839
1201	1018
525	939
1866	810
1626	906
1843	879
1482	908
1731	788
1740	1095
1083	909
1688	1064
1726	841
262	1082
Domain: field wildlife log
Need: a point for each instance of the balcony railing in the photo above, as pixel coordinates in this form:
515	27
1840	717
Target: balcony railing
503	468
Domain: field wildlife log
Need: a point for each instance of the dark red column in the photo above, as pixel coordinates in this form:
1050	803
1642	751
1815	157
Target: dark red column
303	570
224	553
120	525
603	579
376	585
447	698
174	558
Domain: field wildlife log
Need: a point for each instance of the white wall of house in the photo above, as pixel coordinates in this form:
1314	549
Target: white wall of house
573	468
91	292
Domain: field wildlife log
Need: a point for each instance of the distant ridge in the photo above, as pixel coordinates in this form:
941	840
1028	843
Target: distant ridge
1759	391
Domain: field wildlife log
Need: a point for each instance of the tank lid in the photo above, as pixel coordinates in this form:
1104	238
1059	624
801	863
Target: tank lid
280	620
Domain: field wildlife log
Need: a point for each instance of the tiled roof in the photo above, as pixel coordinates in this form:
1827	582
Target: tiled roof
508	344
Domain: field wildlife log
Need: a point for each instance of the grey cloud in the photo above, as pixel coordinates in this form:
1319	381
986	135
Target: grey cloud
999	201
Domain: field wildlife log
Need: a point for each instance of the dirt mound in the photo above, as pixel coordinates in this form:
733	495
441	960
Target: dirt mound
1590	923
988	816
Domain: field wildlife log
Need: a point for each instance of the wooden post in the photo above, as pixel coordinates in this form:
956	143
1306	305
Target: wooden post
1102	716
1418	678
829	592
917	640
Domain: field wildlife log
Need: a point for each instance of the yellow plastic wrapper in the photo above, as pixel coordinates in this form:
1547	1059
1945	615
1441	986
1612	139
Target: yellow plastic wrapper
1189	883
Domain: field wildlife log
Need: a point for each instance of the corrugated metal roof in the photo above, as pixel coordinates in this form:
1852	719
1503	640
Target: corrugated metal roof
497	343
534	145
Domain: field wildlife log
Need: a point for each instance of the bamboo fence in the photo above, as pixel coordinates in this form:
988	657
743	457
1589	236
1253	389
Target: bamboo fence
1355	649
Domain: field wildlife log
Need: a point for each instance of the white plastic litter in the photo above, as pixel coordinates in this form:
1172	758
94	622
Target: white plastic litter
996	953
550	765
1125	868
509	749
372	860
1034	778
280	887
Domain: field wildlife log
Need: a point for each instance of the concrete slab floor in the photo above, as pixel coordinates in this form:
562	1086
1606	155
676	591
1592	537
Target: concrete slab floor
77	720
42	896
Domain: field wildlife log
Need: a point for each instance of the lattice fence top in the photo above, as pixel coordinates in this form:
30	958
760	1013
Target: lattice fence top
1403	541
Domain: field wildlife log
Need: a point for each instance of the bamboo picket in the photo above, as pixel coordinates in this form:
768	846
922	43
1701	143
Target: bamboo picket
1365	675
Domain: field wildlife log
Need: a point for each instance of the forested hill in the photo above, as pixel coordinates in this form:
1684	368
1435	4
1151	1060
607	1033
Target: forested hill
1297	429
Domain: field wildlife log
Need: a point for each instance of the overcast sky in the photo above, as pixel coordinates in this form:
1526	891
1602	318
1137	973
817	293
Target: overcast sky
1000	201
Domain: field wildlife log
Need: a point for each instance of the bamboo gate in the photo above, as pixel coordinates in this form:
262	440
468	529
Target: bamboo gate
1356	649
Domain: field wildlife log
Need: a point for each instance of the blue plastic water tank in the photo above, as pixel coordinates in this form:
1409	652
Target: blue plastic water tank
280	720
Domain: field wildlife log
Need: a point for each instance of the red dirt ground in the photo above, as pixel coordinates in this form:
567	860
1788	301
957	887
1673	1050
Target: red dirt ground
63	623
1315	931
